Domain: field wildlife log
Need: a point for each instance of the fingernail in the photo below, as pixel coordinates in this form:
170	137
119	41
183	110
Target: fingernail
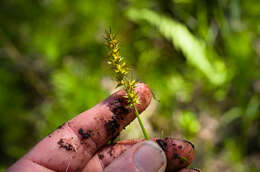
192	145
150	157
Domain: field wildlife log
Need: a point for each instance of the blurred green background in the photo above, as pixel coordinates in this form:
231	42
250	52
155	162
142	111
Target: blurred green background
201	58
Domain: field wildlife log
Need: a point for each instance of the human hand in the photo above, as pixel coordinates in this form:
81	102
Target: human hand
80	144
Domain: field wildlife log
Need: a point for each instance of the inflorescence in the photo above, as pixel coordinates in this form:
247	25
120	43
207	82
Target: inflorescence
119	67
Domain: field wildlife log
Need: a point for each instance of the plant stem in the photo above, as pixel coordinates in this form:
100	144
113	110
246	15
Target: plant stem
146	136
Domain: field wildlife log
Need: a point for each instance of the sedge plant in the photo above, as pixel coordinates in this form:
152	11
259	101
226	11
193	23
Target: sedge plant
120	70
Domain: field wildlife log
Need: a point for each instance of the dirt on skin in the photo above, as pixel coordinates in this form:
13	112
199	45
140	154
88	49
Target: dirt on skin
120	110
162	144
84	135
67	146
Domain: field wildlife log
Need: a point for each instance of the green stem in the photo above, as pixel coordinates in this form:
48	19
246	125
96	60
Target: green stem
146	136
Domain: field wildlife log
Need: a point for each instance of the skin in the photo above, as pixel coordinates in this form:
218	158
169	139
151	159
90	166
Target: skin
78	143
174	149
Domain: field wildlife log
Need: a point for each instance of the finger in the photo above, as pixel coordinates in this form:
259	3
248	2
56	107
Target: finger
179	153
142	157
27	166
72	145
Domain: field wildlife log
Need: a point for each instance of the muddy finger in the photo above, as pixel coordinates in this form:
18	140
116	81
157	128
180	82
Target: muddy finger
73	144
179	153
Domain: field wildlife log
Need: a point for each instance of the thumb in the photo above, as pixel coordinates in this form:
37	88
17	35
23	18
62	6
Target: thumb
146	156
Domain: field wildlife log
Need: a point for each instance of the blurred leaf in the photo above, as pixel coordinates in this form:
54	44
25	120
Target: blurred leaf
193	48
188	123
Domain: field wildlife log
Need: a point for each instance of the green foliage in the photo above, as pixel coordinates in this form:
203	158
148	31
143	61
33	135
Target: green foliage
189	124
193	48
200	58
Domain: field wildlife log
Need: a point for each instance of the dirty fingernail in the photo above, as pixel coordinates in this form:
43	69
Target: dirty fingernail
150	157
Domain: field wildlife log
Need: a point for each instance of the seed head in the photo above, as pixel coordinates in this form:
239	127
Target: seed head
120	69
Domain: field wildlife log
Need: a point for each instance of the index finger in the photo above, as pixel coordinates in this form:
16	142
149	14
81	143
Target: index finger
72	145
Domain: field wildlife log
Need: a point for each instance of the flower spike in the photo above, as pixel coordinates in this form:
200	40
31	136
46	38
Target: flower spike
119	67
